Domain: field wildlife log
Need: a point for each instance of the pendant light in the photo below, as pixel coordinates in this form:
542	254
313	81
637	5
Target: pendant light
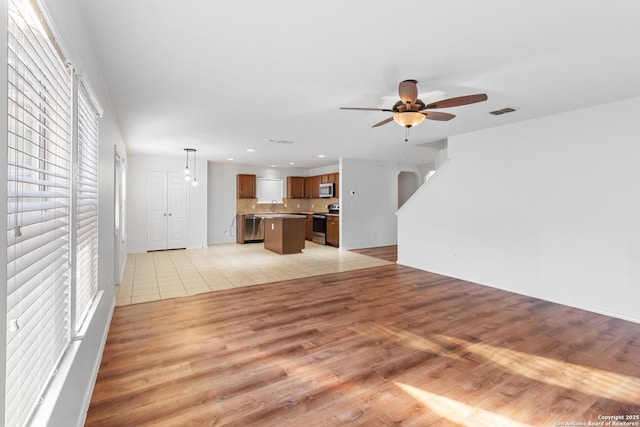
187	177
187	172
195	181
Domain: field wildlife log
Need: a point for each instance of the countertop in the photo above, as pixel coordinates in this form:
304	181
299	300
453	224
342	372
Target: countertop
278	215
285	214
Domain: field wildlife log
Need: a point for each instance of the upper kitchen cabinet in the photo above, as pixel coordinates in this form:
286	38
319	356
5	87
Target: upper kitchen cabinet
336	183
312	187
295	187
332	178
246	186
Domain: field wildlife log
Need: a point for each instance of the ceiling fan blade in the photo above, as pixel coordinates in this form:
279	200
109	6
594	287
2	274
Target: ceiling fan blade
366	109
437	115
456	102
384	122
408	91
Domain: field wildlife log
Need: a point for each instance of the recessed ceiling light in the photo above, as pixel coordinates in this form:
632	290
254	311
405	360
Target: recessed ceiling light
250	150
291	163
273	166
320	155
230	159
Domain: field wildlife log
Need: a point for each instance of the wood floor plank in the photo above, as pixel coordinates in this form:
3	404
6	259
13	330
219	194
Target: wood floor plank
387	345
388	253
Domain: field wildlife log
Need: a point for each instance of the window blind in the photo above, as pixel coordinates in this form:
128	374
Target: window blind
86	206
38	212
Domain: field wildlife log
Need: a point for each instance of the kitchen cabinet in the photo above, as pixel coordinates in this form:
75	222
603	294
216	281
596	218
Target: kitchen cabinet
295	187
308	230
332	178
312	187
246	186
284	234
333	230
336	184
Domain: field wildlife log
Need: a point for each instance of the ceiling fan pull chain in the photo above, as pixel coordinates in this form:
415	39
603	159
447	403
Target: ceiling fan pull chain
406	136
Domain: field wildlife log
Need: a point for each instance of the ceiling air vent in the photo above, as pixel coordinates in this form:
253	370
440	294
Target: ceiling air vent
280	141
502	111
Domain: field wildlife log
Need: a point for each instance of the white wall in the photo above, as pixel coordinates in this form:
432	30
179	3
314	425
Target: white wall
368	202
548	208
137	199
221	204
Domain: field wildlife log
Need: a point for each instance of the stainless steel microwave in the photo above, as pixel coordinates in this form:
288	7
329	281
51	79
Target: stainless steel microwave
326	190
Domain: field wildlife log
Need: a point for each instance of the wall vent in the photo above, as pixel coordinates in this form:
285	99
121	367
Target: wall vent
502	111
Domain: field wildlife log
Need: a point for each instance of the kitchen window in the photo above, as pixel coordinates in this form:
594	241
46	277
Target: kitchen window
269	190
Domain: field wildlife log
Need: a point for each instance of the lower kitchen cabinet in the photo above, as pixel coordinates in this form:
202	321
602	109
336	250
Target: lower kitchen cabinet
284	235
308	228
333	230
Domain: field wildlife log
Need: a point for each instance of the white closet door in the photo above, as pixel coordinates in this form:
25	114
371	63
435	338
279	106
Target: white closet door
177	211
156	211
167	213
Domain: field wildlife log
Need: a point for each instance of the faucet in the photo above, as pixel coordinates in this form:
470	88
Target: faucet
272	208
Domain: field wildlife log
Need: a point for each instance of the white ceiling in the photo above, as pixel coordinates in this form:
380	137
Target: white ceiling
224	76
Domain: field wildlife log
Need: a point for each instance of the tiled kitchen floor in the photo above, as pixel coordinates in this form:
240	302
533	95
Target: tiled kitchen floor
168	274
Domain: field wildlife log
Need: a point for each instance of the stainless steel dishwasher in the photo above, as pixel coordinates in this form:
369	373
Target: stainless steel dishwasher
253	229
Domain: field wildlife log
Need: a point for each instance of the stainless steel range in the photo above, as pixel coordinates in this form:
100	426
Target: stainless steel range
320	224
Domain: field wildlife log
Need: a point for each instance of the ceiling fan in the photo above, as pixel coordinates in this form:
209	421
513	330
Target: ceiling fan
410	110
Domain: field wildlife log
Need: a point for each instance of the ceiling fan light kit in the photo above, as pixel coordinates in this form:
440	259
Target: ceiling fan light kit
408	118
411	111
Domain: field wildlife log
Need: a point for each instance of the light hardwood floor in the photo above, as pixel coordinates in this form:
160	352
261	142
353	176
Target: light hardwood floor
387	345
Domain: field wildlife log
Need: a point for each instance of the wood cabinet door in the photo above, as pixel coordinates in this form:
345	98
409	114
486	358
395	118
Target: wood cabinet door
315	187
308	231
308	187
333	231
246	186
295	187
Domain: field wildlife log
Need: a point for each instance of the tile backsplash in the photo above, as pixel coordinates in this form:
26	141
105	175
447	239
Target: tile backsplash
287	205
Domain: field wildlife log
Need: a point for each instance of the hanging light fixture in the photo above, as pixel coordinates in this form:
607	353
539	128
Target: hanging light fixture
187	177
187	172
195	181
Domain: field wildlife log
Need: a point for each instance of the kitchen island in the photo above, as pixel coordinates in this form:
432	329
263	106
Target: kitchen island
284	233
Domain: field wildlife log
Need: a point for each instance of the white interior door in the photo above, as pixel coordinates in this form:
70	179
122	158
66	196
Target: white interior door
167	213
177	218
156	211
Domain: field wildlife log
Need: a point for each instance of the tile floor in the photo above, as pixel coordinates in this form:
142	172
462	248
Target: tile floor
169	274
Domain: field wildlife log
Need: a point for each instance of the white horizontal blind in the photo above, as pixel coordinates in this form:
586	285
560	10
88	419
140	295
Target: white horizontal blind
38	212
87	206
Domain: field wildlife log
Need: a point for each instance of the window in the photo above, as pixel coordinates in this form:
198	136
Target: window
38	212
86	204
52	209
269	190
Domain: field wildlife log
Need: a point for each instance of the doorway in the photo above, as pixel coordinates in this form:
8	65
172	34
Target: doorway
408	183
